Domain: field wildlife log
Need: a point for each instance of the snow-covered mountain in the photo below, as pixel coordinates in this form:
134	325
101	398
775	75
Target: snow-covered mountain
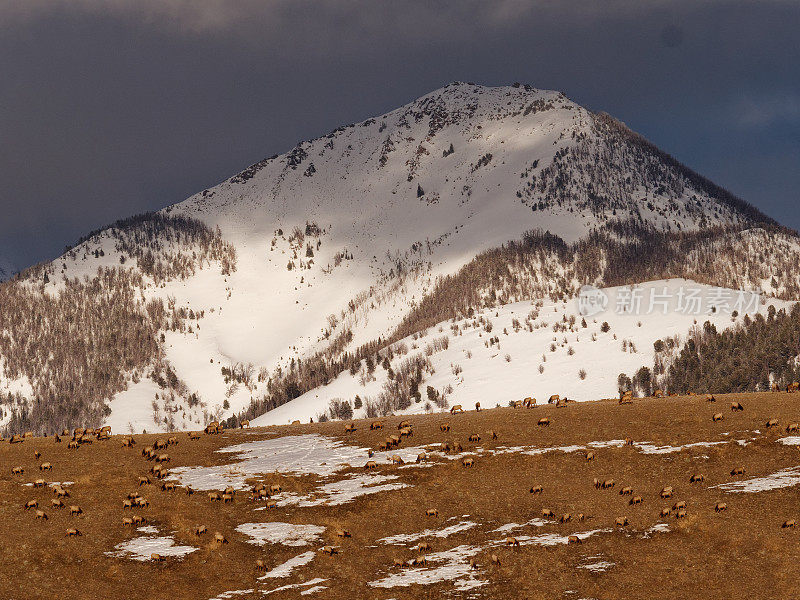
299	270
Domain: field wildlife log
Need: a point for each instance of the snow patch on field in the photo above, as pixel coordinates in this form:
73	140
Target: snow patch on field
550	539
288	534
142	548
408	538
781	479
455	567
344	491
600	566
292	586
285	569
513	526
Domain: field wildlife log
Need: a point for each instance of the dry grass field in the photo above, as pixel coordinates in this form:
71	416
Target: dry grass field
741	552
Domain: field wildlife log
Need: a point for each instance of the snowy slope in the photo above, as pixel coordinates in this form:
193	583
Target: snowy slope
475	370
346	233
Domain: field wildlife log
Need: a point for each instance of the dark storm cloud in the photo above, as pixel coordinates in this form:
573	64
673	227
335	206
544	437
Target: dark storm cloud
113	107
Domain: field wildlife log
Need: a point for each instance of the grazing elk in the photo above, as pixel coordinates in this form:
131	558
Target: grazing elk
565	518
547	513
679	505
474	437
75	510
667	492
789	523
343	533
421	457
665	512
127	522
200	530
350	428
371	464
680	514
329	550
156	557
792	428
56	503
697	478
512	541
543	422
468	462
456	409
573	539
626	491
405	424
17	470
493	434
39	483
214	496
621	522
40	514
589	455
537	489
219	538
736	406
31	504
771	423
495	560
717	417
720	506
376	425
444	427
396	459
636	500
260	566
432	512
737	471
608	484
72	532
244	423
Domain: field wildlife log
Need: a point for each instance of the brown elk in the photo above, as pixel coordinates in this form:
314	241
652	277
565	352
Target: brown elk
56	503
272	504
444	427
511	541
477	407
431	512
679	505
31	504
60	492
456	409
543	422
422	457
547	513
376	425
667	492
621	521
144	480
219	538
39	483
771	423
573	539
468	462
371	464
628	441
73	445
40	514
710	398
406	432
37	455
717	417
608	484
493	434
72	532
636	500
156	557
737	406
142	502
589	456
537	489
45	467
404	424
193	435
168	486
260	566
495	560
789	523
720	506
17	470
244	423
350	428
792	428
680	514
343	533
697	478
200	530
127	522
75	510
162	458
423	547
214	496
329	550
737	471
665	512
396	459
565	518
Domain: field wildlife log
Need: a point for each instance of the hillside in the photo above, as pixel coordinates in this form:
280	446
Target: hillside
305	265
722	535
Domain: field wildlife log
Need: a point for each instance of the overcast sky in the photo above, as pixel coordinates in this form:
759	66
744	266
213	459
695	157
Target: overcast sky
114	107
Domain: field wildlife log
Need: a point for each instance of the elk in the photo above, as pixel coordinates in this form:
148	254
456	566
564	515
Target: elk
681	514
376	425
193	435
73	445
162	458
477	407
144	480
244	423
547	513
31	504
371	464
60	492
168	486
444	427
343	533
789	523
127	522
456	409
468	462
142	502
493	434
396	459
543	422
17	470
771	423
350	428
537	489
403	425
431	512
272	504
697	478
511	541
219	538
156	557
554	399
626	491
495	560
422	457
329	550
565	518
423	547
214	496
628	441
72	532
260	566
40	514
679	505
406	432
736	406
475	437
200	530
39	483
720	506
621	521
665	512
37	455
717	417
173	441
589	456
667	492
737	471
608	484
710	398
573	539
636	500
75	510
792	428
